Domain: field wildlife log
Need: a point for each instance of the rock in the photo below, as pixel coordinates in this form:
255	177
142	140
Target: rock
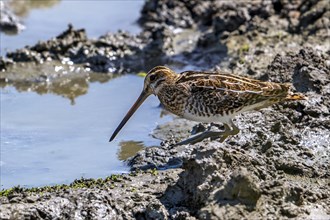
240	187
9	22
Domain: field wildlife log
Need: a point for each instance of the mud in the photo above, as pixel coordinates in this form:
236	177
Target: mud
277	167
116	197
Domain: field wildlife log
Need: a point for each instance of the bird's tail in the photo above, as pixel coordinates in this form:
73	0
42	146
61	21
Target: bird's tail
295	96
292	96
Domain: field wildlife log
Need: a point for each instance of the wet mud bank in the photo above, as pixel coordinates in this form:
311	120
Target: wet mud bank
276	167
278	163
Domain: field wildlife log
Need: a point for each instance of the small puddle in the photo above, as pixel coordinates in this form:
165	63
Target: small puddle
47	140
55	131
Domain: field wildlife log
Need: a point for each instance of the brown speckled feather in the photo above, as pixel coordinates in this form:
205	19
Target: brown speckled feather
208	94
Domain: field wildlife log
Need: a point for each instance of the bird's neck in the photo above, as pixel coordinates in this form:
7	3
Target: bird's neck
159	87
169	81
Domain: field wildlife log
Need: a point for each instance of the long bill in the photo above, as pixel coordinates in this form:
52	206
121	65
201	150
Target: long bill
136	105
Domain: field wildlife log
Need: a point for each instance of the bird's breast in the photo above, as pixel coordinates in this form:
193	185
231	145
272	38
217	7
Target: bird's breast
173	99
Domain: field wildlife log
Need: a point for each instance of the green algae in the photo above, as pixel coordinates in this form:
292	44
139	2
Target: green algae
76	184
109	181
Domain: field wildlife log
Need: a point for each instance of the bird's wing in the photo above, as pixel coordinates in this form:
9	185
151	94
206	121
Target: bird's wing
229	83
223	92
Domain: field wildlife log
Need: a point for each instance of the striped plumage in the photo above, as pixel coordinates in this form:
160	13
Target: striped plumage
210	96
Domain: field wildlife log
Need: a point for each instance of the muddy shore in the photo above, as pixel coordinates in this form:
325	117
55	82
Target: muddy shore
277	167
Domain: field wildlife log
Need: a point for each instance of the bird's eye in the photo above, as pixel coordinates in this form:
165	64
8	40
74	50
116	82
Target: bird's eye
152	78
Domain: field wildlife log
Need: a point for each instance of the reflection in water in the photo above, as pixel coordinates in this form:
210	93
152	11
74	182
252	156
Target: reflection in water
44	139
129	149
22	8
69	81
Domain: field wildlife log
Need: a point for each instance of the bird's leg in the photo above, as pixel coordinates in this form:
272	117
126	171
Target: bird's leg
229	130
200	137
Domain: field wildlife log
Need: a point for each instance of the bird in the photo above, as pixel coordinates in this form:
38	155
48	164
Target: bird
209	97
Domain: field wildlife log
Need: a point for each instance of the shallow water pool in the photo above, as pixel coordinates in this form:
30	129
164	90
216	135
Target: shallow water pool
46	140
49	139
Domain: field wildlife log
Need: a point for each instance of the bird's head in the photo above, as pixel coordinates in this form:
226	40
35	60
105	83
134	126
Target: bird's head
155	79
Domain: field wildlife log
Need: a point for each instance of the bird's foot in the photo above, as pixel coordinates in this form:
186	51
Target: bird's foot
213	135
200	137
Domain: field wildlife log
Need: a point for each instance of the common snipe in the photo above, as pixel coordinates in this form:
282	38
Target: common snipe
209	97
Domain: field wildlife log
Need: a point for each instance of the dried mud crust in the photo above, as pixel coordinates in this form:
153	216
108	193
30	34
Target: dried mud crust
100	55
307	17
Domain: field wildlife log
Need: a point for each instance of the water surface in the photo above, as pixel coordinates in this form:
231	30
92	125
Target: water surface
62	134
44	21
46	140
